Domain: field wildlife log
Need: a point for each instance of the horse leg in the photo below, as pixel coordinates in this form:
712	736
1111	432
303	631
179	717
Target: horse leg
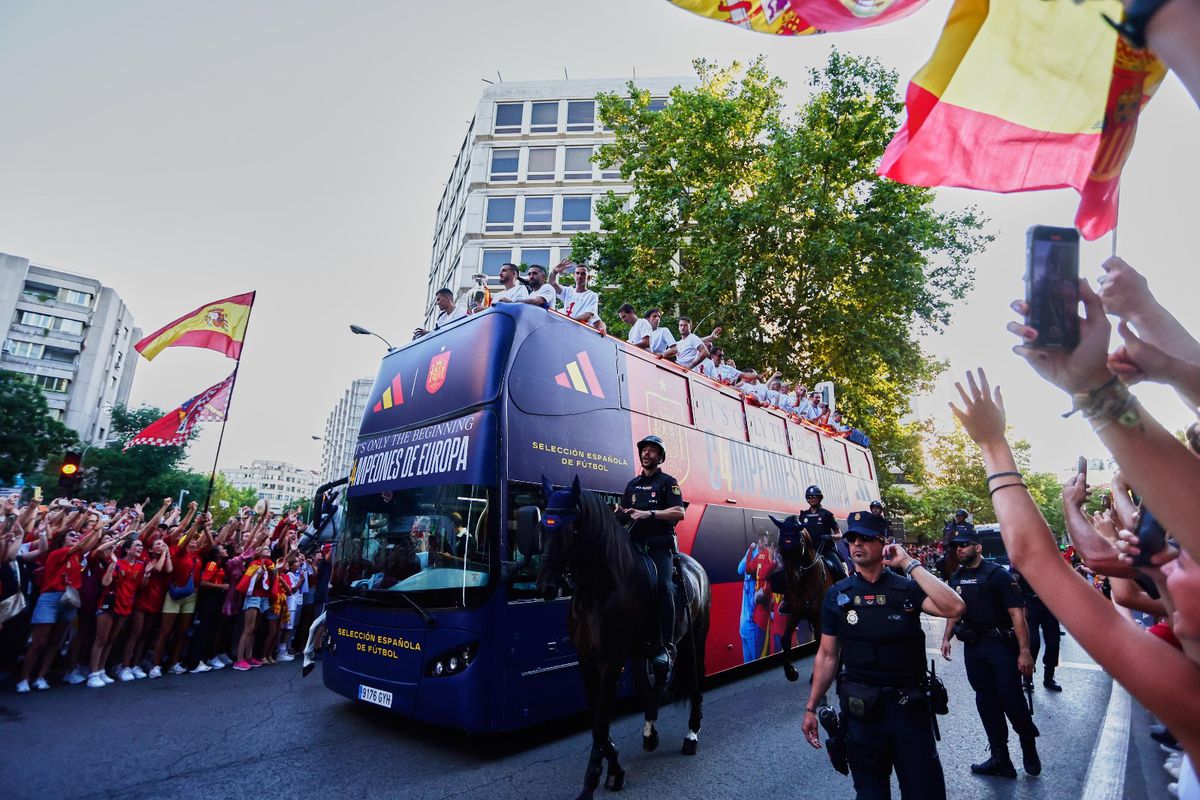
315	631
789	631
615	781
696	640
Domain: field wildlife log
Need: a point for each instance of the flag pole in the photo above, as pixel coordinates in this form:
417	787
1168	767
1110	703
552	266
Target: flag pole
212	476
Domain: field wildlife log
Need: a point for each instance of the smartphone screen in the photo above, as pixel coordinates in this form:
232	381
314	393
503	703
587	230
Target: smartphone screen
1052	286
1151	538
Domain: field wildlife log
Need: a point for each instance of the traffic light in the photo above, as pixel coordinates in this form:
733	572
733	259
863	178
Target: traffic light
70	474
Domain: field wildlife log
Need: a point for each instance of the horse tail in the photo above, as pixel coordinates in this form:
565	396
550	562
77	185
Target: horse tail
689	662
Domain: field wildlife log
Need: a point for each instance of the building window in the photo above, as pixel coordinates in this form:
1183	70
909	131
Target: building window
24	349
69	326
577	213
492	261
539	212
543	117
51	384
509	117
541	164
75	298
581	115
578	164
37	320
504	164
500	214
539	256
657	104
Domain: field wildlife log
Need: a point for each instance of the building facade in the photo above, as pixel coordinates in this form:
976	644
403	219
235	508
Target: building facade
341	430
71	336
276	481
524	182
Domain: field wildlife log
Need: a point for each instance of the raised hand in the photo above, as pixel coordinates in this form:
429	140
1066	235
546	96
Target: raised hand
982	414
1074	371
1123	290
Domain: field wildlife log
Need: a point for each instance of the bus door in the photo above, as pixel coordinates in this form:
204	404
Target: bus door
721	546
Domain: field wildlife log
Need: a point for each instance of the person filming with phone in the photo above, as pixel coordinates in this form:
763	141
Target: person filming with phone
871	625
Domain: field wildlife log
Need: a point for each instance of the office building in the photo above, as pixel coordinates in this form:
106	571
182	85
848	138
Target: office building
71	336
524	182
341	430
276	481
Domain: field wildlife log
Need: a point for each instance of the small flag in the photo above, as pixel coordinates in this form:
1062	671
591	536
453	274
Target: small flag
172	429
801	17
580	376
220	326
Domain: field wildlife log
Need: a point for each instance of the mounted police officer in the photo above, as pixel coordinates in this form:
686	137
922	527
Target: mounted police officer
652	504
822	526
996	652
872	622
948	562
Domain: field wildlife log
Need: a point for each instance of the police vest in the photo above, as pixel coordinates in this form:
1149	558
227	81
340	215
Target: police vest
655	493
822	521
983	593
880	632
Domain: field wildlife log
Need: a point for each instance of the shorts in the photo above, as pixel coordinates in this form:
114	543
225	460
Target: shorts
261	603
271	617
49	610
185	606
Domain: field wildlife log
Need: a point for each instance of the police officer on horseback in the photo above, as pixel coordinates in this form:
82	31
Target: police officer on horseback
652	504
871	621
823	527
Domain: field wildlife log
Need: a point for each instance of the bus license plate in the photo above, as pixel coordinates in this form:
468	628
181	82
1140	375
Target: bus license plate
376	696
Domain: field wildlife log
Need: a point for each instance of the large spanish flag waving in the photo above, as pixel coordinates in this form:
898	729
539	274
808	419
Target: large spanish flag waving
1022	95
801	17
220	326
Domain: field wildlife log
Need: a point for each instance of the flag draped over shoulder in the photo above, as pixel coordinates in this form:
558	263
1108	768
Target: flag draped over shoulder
1022	95
801	17
210	405
220	326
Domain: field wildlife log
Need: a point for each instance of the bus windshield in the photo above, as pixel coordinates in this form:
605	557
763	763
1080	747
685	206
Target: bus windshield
433	543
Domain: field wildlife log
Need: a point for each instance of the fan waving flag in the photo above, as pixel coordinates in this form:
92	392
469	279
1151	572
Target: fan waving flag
173	428
801	17
1022	95
220	326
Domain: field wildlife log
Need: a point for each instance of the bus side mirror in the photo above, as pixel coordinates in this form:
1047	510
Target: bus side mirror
529	520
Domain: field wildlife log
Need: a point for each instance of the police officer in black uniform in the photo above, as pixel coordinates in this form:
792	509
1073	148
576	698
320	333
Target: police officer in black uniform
823	527
653	503
872	622
996	646
1042	625
948	562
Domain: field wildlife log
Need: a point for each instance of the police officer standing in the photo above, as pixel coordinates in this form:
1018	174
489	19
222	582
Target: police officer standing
653	503
821	524
1042	624
996	647
871	621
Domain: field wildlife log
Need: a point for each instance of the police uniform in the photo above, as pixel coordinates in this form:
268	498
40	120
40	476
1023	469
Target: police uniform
1042	623
656	537
887	715
821	523
990	652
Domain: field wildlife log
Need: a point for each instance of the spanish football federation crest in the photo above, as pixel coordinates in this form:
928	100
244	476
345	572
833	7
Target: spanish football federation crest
437	372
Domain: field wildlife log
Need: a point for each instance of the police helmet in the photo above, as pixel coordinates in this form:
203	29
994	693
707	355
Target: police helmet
814	491
876	504
962	512
657	442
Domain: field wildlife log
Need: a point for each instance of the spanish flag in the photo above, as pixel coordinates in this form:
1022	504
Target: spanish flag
801	17
220	326
1022	95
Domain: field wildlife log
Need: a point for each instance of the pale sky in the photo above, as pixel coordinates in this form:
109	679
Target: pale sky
185	152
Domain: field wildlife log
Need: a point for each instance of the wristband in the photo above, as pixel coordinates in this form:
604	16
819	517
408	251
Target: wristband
1002	475
1005	486
912	567
1132	27
1112	401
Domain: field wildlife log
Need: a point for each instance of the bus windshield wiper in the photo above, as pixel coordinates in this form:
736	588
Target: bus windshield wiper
374	600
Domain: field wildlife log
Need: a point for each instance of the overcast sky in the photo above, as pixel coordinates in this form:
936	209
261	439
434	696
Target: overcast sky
185	152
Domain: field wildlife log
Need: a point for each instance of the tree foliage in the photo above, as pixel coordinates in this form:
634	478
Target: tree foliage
28	434
776	227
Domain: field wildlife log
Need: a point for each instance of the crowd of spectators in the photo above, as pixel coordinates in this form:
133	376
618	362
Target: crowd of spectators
100	594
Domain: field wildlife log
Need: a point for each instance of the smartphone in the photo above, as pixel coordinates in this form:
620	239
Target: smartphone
1052	286
1151	538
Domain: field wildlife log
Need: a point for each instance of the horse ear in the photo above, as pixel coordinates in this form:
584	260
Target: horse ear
781	524
547	489
575	490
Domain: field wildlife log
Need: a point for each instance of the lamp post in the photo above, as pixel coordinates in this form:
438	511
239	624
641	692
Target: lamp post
360	330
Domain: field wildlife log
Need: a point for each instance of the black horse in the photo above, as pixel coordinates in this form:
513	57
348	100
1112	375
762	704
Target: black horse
612	618
803	580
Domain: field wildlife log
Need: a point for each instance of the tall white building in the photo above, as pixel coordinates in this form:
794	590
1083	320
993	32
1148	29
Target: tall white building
341	430
277	481
524	182
71	336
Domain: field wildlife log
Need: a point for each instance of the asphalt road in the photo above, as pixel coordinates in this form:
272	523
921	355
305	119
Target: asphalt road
271	733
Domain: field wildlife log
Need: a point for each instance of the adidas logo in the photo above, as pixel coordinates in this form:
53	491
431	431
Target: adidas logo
580	376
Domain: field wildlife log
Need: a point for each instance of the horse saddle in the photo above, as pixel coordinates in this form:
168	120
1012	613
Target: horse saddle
649	574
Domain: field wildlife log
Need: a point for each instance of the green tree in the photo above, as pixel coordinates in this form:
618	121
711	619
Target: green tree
28	435
776	227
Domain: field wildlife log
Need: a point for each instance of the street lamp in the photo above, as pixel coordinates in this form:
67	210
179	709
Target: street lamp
105	443
359	329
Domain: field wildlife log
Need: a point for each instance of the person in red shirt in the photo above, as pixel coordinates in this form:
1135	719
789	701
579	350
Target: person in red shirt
147	604
64	567
258	584
761	567
213	585
126	575
187	557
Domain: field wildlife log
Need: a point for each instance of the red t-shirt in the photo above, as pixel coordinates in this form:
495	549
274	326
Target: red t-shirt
150	598
128	579
62	567
213	573
185	565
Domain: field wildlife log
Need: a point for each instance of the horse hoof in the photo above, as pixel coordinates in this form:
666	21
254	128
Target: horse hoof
790	672
307	669
586	794
690	746
650	743
615	781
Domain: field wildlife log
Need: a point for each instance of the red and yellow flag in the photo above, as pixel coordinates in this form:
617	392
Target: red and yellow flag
220	326
801	17
1022	95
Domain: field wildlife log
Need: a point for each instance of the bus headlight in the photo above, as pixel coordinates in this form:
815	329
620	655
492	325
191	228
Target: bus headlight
454	661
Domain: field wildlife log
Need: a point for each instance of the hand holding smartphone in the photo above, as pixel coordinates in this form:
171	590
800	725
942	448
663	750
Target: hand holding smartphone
1151	538
1052	286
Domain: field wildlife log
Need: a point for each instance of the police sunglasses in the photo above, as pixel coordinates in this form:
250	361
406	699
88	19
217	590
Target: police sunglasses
854	538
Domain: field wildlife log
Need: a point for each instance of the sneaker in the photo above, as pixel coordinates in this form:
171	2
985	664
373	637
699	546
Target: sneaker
1001	767
285	656
94	681
1173	789
104	676
1172	768
75	677
225	659
138	672
177	669
242	666
125	675
23	687
216	663
155	672
269	661
41	685
254	662
201	667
